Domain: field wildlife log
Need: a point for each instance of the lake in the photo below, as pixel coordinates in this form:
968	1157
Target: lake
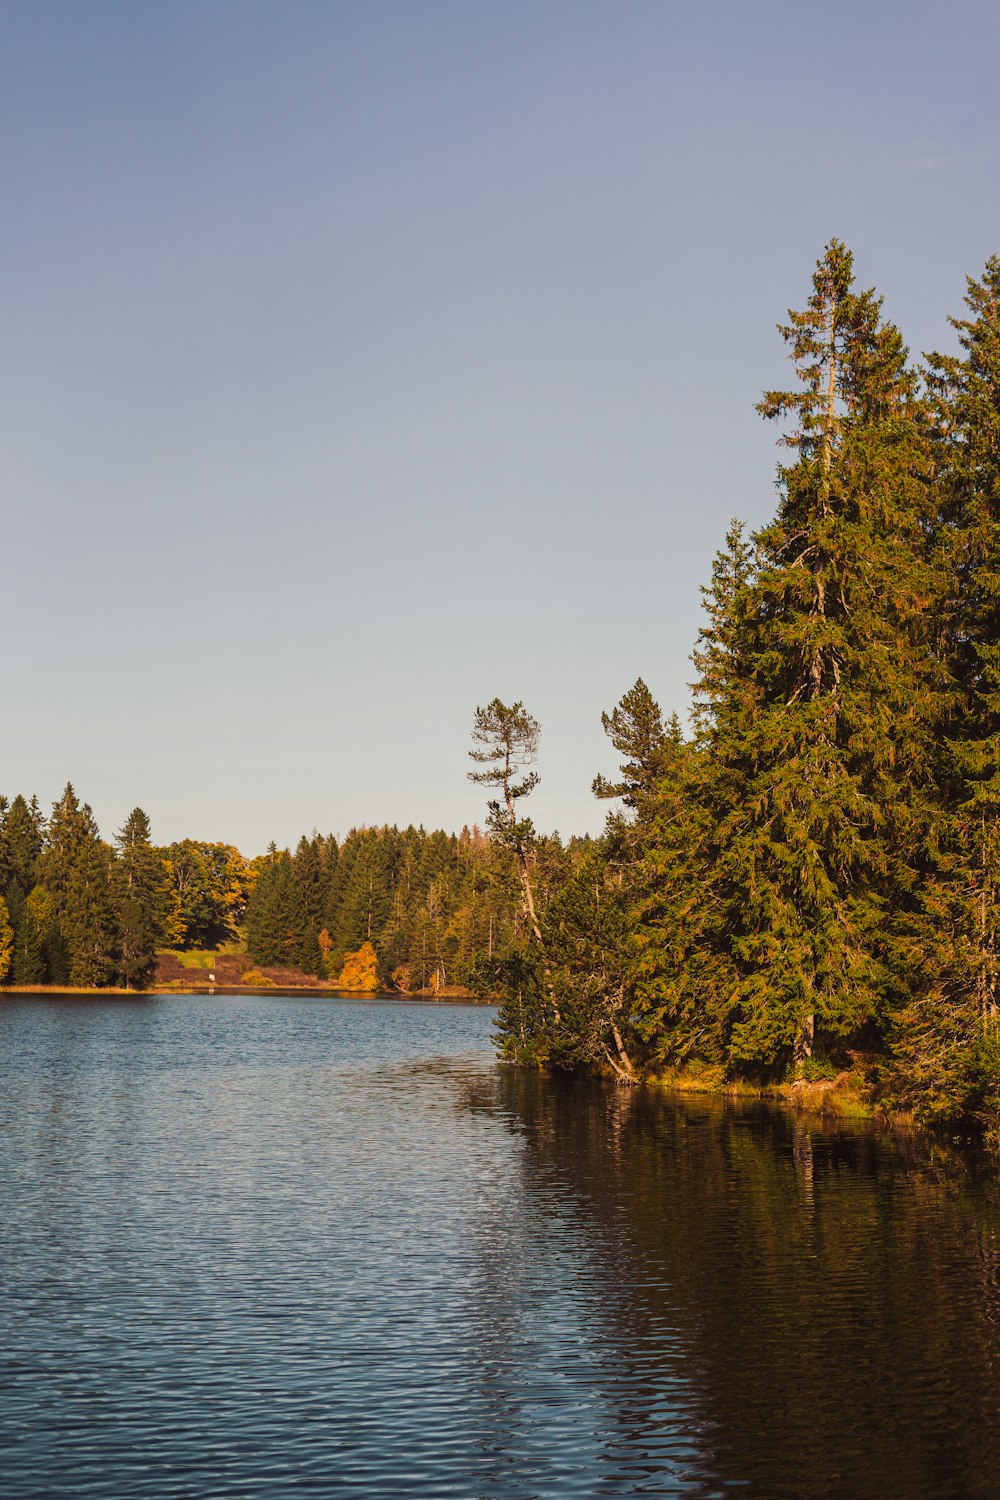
283	1246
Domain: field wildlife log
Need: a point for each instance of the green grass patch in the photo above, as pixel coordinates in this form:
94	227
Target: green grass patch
200	958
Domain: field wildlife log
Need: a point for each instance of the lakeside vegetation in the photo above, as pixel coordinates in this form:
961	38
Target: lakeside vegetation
799	890
381	909
808	883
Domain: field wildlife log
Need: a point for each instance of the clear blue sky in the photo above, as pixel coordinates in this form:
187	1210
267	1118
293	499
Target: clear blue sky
362	361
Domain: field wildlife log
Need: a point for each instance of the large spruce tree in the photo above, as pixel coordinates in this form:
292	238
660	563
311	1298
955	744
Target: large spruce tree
144	900
946	1048
833	763
967	453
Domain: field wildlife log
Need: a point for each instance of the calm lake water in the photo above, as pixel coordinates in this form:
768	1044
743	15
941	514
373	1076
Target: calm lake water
271	1247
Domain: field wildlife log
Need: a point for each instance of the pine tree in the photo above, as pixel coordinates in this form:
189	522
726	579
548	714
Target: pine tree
587	968
56	955
835	761
75	868
506	744
274	919
635	727
70	828
308	875
945	1061
967	453
144	898
89	919
28	957
21	845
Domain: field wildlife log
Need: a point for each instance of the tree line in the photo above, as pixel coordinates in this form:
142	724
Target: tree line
76	910
438	909
435	909
808	873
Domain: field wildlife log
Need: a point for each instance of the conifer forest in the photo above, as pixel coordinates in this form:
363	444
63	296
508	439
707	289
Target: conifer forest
798	878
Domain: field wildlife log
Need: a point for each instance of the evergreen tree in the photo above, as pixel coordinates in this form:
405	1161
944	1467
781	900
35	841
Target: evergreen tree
945	1062
56	955
89	919
71	828
308	875
588	970
506	744
274	918
28	957
635	727
967	454
144	898
365	900
20	845
836	757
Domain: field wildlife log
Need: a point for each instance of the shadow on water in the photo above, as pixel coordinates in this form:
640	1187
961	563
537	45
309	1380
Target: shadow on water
785	1310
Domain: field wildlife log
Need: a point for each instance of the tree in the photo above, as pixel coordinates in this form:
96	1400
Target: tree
360	971
71	828
6	939
146	901
308	875
274	920
588	966
635	727
75	868
20	844
966	391
835	763
29	952
506	741
213	884
89	919
945	1055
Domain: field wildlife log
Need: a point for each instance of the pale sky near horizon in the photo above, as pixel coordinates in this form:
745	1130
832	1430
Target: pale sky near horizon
363	361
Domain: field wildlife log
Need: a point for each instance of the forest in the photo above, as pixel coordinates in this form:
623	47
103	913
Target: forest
800	878
805	879
383	908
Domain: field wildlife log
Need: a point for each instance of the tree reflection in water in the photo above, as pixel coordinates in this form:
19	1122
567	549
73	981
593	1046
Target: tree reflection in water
729	1296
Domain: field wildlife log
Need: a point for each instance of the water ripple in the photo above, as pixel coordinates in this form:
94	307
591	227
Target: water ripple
275	1247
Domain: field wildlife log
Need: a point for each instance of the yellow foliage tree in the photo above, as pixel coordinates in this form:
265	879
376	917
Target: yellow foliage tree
360	971
6	939
39	903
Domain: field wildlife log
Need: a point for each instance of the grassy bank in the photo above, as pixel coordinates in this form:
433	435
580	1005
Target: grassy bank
847	1096
49	991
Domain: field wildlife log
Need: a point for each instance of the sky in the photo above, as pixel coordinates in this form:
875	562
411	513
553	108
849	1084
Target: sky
364	361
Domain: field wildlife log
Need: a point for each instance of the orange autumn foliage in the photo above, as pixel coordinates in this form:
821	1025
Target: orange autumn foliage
360	971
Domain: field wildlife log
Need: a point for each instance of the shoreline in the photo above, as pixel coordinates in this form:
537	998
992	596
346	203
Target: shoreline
841	1100
845	1097
162	991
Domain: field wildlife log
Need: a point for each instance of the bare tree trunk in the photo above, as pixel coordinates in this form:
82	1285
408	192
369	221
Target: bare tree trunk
831	409
624	1075
803	1045
529	895
522	860
625	1059
986	983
